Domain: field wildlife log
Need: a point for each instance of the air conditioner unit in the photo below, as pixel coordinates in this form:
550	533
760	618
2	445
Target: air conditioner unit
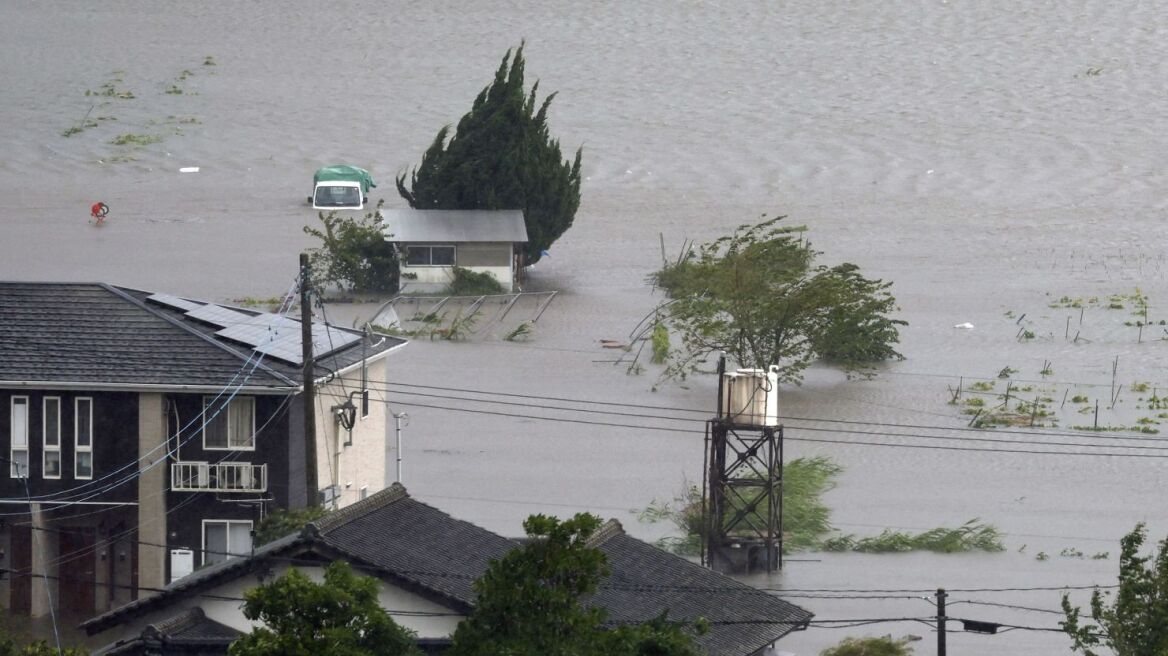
182	563
750	397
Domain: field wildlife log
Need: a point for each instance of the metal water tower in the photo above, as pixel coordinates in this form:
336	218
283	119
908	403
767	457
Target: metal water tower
743	480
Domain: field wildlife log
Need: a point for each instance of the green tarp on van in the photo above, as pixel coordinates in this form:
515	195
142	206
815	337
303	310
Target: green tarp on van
345	172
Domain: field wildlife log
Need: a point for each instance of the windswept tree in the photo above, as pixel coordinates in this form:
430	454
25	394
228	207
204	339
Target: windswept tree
1135	621
759	296
501	157
354	254
339	616
529	603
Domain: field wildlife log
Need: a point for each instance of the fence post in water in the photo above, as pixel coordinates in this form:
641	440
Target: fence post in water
1096	414
1034	412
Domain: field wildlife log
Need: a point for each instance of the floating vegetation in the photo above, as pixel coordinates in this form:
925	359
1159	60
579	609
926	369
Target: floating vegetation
174	90
133	139
1007	371
79	128
209	61
982	386
970	536
1041	555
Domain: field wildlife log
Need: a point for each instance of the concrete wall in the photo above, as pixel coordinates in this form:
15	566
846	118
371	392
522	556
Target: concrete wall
151	494
353	460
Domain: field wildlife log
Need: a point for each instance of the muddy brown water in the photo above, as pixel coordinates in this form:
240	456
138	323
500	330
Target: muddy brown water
987	157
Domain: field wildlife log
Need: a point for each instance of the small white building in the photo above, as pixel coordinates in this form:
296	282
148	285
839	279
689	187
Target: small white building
431	243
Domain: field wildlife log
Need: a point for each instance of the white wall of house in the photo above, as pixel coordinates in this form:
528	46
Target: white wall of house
220	604
495	258
362	463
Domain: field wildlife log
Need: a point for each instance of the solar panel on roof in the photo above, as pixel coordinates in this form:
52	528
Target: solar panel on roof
283	350
326	339
217	315
174	302
261	329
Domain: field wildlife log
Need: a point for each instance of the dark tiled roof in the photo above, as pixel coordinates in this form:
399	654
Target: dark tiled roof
190	630
417	544
646	580
435	555
96	334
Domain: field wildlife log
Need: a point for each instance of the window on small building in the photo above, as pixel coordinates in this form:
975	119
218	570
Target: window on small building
18	456
52	437
230	428
83	438
225	538
430	255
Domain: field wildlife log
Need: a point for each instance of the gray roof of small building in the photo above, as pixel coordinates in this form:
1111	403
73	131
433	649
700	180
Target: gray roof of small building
424	550
101	336
446	226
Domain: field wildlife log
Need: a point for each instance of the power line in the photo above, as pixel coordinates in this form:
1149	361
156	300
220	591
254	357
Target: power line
708	414
806	439
808	428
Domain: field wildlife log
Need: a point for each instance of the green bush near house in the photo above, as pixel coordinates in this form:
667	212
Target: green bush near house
472	283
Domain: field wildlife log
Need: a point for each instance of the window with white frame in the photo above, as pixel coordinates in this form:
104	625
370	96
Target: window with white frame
51	463
230	428
18	456
83	438
225	538
429	255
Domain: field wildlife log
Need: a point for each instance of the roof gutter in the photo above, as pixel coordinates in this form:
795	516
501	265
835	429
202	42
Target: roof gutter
353	367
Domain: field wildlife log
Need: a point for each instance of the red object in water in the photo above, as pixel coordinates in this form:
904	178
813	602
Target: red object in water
98	211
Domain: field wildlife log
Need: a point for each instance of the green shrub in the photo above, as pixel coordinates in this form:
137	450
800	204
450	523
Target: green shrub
472	283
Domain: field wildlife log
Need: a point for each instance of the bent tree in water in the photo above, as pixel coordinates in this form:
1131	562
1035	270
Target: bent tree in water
758	295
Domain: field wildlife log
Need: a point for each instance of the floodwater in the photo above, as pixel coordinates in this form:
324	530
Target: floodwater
988	157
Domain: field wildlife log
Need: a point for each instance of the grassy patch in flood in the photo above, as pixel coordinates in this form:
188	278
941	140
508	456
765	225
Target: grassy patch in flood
133	139
807	520
970	536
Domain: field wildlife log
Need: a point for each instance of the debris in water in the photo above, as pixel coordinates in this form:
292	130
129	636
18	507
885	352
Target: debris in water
189	169
964	326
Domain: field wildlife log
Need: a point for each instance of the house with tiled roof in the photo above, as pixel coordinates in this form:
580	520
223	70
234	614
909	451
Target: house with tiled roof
427	562
142	435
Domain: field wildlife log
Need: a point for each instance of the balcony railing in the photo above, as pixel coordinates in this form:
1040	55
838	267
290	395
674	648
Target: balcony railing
218	477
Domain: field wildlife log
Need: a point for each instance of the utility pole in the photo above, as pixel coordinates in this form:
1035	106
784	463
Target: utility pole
309	375
398	416
941	621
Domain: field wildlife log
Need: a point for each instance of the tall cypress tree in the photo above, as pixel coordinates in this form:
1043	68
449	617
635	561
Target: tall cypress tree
501	157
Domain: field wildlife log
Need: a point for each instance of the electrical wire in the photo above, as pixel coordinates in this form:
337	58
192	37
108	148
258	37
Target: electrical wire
849	431
708	414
